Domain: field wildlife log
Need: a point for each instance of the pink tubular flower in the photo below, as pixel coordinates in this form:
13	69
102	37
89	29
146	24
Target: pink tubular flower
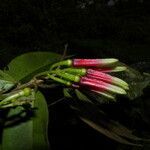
93	62
91	73
100	85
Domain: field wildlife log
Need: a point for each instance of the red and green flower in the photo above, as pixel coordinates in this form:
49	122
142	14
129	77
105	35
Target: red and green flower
91	74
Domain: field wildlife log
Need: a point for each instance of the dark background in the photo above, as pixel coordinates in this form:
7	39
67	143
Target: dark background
91	28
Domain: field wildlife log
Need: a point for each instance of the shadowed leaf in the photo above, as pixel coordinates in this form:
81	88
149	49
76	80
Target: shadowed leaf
23	132
107	133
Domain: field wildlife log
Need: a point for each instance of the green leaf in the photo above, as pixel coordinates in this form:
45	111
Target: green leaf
136	88
5	76
40	124
6	81
5	85
24	132
19	135
24	67
136	80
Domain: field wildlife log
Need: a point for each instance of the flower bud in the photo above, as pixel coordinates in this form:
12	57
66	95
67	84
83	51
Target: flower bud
62	63
67	83
68	76
76	71
94	62
107	78
101	86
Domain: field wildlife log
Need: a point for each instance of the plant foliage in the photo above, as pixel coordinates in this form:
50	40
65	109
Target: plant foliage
25	125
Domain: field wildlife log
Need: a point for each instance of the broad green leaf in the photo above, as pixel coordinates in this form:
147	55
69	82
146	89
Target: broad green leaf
5	76
40	124
24	67
27	133
19	135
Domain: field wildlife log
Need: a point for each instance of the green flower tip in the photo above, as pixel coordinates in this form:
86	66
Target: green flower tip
109	61
69	62
27	91
121	83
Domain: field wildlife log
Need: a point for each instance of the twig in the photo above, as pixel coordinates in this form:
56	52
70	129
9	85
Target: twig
48	86
31	83
65	52
54	103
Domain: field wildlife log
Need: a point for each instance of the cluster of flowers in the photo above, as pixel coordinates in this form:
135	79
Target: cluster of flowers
17	98
92	74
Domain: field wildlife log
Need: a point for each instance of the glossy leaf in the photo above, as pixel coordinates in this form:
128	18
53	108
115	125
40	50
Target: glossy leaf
5	76
24	67
40	123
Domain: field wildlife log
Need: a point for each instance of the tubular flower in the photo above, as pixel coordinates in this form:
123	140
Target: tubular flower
91	74
93	62
86	63
101	86
107	78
